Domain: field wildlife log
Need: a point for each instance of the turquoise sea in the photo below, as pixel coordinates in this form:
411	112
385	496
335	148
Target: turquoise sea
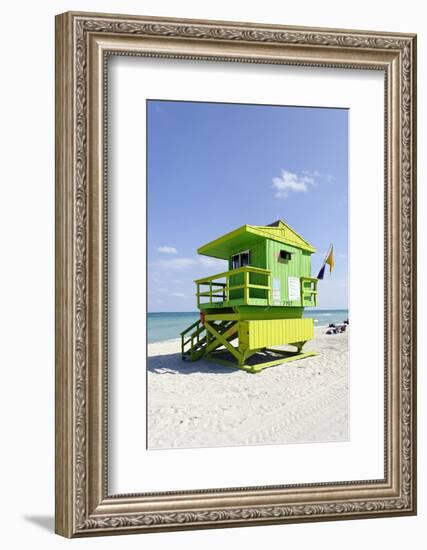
169	325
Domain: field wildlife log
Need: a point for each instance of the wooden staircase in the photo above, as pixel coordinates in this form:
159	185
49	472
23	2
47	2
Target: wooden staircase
196	341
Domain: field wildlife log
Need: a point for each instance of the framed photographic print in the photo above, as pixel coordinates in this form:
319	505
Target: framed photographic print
235	274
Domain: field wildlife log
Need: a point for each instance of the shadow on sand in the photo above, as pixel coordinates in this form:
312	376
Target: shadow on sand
173	364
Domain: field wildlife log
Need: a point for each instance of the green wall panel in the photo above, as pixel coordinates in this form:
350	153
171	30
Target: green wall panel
298	266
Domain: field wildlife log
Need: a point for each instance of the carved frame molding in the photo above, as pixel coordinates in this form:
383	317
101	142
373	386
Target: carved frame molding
83	43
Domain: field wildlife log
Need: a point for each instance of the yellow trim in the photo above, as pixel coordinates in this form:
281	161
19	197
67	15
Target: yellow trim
283	233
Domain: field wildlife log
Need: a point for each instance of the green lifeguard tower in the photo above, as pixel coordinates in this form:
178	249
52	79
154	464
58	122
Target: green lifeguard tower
258	303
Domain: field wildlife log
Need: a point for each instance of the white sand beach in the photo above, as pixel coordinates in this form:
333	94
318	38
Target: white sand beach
202	404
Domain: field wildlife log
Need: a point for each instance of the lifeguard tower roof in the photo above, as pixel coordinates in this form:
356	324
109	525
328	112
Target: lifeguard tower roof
247	235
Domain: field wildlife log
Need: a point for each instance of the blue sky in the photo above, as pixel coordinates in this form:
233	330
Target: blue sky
213	167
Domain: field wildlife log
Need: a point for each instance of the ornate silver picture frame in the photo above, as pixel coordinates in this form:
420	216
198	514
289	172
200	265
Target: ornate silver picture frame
84	505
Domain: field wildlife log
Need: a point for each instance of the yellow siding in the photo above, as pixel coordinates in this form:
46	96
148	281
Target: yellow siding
243	335
274	332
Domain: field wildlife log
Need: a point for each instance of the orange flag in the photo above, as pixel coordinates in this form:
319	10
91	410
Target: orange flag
330	260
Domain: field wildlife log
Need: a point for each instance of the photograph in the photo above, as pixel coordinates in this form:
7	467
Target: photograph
248	320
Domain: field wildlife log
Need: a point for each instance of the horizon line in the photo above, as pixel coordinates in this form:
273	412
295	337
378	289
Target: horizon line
306	308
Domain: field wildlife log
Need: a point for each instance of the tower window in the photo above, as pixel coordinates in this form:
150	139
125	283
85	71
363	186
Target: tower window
285	255
241	259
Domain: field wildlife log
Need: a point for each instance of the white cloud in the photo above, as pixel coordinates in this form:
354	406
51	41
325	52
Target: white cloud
174	263
319	175
167	249
185	263
291	182
178	294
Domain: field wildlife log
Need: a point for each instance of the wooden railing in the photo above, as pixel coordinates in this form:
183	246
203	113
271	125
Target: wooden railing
308	291
195	338
224	292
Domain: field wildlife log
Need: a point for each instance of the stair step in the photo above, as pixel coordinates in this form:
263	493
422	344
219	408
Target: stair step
200	343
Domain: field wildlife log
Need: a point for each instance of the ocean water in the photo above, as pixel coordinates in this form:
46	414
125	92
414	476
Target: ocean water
168	325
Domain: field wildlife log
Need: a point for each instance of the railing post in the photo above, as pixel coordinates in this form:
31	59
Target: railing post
210	292
198	297
269	288
246	287
208	341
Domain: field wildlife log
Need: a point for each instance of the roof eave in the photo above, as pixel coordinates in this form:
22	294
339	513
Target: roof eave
212	245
